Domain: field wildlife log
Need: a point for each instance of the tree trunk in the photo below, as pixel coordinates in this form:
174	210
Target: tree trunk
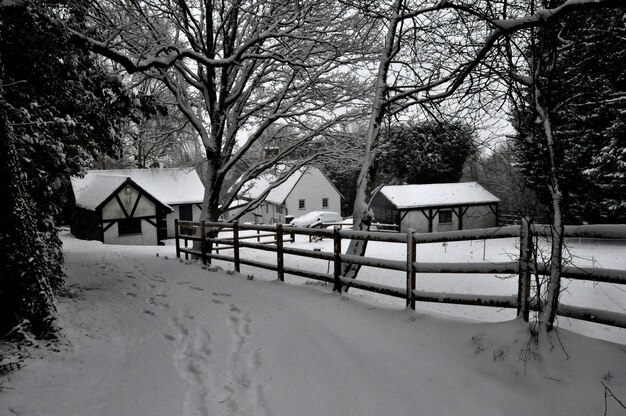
362	215
210	203
553	290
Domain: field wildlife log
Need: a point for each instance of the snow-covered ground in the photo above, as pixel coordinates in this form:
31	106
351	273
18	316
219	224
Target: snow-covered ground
150	335
580	252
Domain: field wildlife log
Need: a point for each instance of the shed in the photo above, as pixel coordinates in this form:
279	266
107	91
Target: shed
436	207
307	189
120	206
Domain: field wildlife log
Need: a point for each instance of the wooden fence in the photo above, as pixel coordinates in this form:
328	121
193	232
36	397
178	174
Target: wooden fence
525	267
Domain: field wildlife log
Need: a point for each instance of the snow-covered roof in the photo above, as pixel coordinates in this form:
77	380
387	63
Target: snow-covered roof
238	203
169	186
278	194
437	194
91	190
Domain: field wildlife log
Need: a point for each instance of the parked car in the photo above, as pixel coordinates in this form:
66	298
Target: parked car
316	218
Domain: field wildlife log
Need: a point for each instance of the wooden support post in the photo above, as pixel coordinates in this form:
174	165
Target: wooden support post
186	242
431	217
525	268
258	238
177	238
337	260
236	245
410	268
203	241
279	252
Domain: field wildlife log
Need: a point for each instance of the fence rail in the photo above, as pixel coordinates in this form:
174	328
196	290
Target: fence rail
205	237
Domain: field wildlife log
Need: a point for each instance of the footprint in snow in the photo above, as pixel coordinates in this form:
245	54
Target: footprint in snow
148	312
154	302
193	363
245	392
220	294
131	294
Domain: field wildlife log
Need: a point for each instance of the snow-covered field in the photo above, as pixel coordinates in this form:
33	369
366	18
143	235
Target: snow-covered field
150	335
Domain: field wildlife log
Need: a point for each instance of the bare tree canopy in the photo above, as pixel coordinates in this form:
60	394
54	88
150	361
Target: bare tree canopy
236	69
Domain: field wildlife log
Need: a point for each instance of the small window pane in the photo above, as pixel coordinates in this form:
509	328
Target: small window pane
185	212
445	217
301	203
129	226
324	202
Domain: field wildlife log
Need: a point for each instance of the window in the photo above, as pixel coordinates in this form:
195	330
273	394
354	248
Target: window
324	202
445	217
267	208
300	203
279	209
185	212
129	226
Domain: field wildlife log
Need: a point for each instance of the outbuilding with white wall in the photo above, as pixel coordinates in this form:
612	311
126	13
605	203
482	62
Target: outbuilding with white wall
120	206
436	207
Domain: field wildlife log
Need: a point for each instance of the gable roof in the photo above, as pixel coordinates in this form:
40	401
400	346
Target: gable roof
437	194
279	194
168	186
276	195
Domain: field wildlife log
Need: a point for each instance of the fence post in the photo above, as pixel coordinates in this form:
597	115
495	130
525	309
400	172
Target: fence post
279	252
337	260
176	236
525	267
236	245
258	236
203	241
410	268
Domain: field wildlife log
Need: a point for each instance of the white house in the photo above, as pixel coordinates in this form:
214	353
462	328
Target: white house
308	189
134	206
436	207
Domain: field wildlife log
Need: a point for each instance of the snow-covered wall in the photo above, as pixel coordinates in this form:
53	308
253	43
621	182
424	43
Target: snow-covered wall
128	195
195	211
480	216
313	187
148	236
415	220
265	213
113	211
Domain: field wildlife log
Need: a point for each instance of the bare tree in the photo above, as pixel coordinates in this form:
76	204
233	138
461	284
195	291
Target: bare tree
158	135
463	66
235	69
